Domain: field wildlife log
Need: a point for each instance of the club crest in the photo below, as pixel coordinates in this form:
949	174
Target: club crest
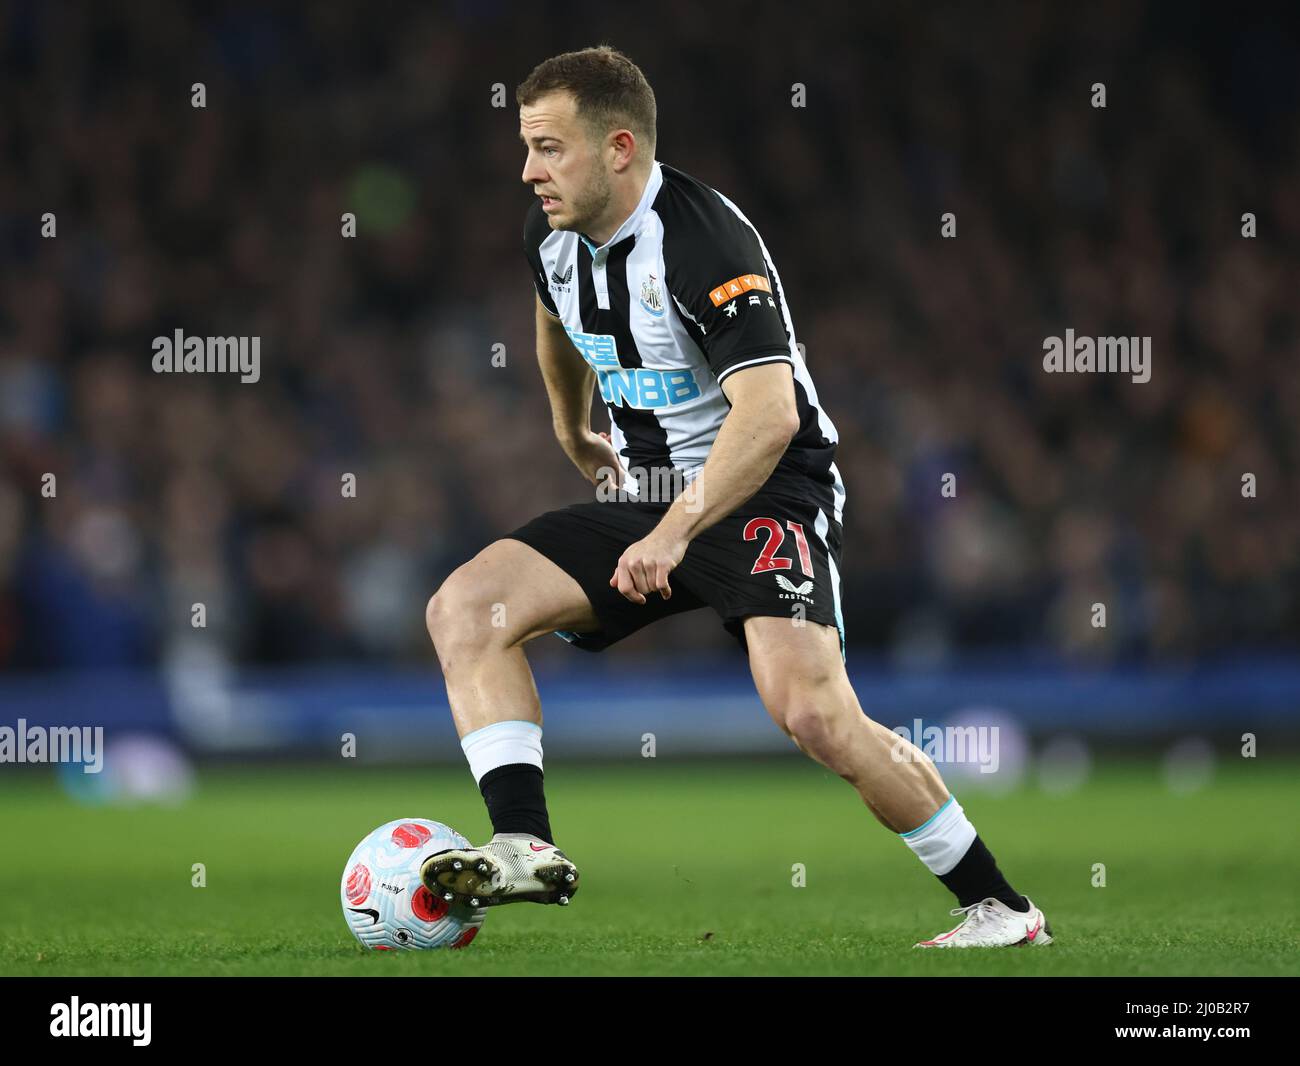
652	299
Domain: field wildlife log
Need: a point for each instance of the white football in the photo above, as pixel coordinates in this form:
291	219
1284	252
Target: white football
387	906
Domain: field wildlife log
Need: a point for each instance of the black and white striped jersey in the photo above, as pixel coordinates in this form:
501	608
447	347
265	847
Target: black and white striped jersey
683	295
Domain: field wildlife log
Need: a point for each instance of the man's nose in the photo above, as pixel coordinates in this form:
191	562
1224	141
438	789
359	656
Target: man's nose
534	172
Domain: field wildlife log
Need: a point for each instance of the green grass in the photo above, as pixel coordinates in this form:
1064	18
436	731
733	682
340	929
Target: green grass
686	870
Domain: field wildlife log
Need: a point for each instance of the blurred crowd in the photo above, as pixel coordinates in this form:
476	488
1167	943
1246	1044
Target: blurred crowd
378	351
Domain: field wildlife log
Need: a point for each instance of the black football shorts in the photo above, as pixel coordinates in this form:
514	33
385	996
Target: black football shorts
776	555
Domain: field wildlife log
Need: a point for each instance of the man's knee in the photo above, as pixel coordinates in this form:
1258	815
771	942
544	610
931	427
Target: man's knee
504	597
814	726
464	615
817	710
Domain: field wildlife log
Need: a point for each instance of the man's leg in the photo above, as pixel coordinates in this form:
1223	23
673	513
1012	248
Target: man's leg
479	620
800	676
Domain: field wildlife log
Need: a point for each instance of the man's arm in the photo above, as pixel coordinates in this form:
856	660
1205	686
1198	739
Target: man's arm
569	380
753	437
569	383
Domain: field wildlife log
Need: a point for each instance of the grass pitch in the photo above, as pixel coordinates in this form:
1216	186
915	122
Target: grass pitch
686	870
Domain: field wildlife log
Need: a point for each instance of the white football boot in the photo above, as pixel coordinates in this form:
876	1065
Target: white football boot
509	868
990	923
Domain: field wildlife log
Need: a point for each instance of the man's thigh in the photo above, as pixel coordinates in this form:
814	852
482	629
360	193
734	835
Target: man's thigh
584	542
792	662
518	591
775	557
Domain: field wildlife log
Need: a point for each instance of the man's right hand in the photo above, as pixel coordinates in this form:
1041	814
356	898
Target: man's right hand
594	455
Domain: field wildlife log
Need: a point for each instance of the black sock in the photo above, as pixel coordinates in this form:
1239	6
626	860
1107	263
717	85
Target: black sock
977	877
515	800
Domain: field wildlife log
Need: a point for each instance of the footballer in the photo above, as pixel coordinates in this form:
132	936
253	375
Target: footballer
656	289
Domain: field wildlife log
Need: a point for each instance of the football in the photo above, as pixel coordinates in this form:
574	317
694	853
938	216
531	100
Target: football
384	902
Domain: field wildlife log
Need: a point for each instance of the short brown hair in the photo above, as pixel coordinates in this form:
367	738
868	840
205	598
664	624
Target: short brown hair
609	90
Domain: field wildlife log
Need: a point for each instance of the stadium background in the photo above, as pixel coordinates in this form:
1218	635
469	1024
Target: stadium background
377	360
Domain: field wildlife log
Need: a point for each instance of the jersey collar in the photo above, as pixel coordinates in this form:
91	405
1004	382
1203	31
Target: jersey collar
633	221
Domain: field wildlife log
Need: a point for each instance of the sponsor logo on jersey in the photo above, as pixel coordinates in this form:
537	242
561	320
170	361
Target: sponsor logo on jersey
647	389
560	282
652	300
738	286
599	349
638	387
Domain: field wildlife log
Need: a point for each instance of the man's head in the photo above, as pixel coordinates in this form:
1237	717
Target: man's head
588	121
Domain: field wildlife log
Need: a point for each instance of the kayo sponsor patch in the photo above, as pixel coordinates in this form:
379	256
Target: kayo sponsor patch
738	286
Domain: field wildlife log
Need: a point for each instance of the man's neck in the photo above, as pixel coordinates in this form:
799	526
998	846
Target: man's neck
623	212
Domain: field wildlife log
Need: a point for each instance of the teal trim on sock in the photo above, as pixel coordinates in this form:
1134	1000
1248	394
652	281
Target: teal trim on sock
913	832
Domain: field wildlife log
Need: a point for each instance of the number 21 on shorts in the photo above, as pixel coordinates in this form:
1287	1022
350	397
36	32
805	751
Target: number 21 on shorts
767	558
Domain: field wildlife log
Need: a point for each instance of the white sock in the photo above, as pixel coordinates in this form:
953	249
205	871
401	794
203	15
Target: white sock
942	840
501	744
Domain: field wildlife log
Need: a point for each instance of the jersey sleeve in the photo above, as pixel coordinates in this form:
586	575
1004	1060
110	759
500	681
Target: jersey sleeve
536	230
717	273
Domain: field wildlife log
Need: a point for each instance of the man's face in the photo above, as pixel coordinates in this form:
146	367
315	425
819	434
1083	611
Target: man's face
563	166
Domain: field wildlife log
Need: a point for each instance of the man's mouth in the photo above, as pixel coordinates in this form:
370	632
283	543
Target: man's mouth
547	201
